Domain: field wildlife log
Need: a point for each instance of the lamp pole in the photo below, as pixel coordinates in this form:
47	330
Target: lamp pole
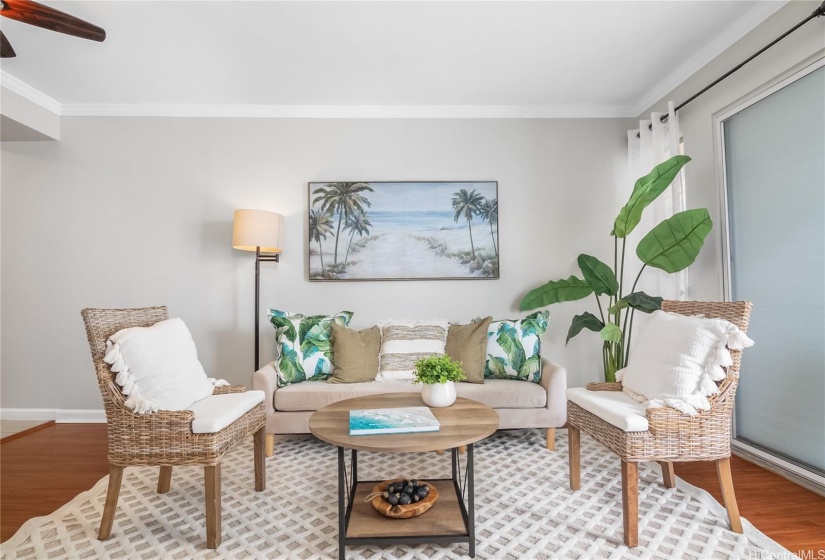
258	259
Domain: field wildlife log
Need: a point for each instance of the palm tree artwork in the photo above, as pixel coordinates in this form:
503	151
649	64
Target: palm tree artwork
343	199
320	225
357	223
403	230
489	213
466	204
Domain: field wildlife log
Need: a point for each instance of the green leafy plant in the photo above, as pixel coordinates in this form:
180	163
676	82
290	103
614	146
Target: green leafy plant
438	368
671	246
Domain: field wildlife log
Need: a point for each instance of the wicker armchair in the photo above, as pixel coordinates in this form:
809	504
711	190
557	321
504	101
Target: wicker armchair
164	438
672	436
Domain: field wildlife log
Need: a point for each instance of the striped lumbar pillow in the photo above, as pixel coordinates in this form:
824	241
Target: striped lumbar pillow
405	342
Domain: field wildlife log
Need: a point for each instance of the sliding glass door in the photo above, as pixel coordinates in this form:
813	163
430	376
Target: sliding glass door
774	163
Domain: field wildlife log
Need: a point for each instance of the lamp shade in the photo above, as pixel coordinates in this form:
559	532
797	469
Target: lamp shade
257	228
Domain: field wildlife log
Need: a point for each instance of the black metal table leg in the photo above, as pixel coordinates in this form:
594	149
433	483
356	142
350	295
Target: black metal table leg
471	510
342	527
354	467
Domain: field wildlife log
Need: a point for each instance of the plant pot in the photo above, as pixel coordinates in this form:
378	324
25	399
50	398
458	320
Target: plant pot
439	395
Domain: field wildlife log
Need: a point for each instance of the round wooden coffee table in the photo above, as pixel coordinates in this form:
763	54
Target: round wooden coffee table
449	520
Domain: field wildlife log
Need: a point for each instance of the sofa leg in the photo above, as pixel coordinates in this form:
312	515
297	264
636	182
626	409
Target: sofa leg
440	452
270	445
551	439
462	449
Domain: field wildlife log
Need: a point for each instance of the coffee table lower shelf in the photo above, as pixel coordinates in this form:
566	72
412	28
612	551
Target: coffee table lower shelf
449	520
445	522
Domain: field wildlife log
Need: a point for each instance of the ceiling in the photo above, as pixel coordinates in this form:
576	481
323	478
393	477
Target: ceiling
599	58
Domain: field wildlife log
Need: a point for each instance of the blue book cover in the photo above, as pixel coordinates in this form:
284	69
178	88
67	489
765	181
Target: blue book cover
392	421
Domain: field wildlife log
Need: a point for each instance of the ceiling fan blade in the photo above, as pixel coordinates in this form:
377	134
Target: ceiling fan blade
6	50
37	14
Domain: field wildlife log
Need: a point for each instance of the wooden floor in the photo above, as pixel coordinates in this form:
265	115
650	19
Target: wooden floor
43	470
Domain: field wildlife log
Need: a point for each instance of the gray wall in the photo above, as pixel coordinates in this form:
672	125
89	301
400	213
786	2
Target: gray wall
705	281
137	211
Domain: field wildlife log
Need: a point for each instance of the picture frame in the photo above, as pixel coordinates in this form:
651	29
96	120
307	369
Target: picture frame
403	230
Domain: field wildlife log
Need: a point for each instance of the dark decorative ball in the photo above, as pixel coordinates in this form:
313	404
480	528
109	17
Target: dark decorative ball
404	499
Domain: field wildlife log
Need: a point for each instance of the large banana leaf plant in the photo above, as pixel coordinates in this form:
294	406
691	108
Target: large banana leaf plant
671	246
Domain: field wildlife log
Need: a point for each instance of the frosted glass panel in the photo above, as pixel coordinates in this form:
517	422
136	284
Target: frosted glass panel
775	174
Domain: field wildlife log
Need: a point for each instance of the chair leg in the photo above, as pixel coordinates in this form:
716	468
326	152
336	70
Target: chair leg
668	476
726	482
574	457
212	481
112	494
270	445
164	479
260	461
551	439
630	503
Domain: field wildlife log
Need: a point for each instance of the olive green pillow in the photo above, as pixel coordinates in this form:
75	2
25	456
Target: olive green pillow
356	354
468	344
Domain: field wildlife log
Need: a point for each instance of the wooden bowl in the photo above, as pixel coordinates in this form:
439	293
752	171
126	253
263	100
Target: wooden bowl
402	512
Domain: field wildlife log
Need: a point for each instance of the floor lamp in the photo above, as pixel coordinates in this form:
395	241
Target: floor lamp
259	231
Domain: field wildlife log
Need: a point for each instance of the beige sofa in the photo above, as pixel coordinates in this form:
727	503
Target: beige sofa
520	404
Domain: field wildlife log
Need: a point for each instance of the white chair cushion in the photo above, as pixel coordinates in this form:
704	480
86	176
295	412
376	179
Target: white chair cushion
216	412
678	360
157	367
614	407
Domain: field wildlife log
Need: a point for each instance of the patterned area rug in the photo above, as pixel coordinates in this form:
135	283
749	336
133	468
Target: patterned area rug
524	509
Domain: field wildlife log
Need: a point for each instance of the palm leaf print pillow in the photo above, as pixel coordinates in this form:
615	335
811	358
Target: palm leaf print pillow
304	345
514	348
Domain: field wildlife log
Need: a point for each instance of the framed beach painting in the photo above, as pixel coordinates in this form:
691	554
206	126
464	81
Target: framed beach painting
403	230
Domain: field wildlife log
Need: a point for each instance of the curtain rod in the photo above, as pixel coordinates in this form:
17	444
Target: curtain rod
820	11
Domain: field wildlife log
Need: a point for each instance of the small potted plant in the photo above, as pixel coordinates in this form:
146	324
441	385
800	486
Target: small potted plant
438	373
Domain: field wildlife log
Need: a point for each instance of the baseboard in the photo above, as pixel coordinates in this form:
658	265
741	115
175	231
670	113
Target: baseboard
61	416
776	465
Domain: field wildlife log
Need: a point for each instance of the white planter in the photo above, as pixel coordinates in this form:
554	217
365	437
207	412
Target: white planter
438	395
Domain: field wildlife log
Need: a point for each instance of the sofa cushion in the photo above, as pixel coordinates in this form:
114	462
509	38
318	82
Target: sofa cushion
304	349
496	393
405	342
216	412
356	354
312	396
504	393
514	348
613	407
467	344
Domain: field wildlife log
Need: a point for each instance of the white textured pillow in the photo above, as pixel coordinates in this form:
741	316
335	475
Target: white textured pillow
157	367
678	359
405	342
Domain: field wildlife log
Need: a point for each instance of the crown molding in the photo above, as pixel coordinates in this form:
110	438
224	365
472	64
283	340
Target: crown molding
352	111
711	50
735	31
29	93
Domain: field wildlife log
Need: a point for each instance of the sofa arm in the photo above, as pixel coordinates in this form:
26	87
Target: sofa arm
266	380
554	381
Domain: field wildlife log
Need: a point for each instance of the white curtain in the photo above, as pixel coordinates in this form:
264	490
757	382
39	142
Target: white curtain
647	146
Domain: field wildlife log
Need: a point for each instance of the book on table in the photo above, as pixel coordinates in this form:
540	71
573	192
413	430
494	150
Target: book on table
405	420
